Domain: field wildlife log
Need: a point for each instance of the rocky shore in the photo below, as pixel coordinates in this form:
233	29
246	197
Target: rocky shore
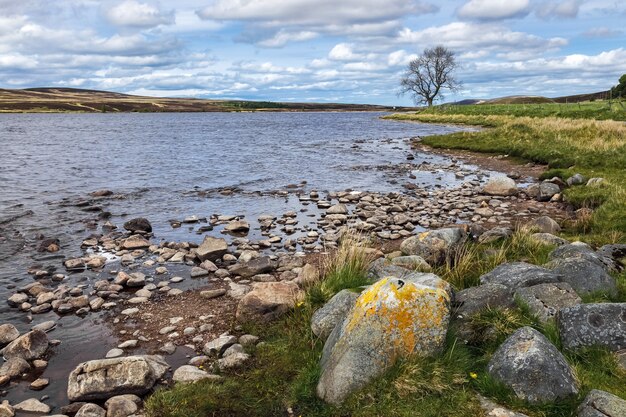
163	297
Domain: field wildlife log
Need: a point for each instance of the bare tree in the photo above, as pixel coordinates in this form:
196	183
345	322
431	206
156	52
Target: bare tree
430	73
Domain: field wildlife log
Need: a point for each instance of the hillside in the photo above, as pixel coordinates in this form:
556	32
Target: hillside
42	100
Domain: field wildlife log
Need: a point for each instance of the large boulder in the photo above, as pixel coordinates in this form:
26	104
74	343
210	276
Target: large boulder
105	378
519	274
262	265
29	346
533	368
433	246
392	319
211	249
545	300
473	300
269	300
586	277
334	311
500	185
602	404
138	225
584	251
586	325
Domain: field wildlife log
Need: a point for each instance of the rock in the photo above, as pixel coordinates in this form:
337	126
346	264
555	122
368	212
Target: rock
547	190
601	404
74	264
197	272
495	234
114	353
39	384
248	340
533	368
136	279
46	326
584	276
138	225
393	319
122	405
268	300
91	410
254	267
500	185
332	313
209	294
188	373
587	325
29	346
337	209
240	226
6	410
433	246
473	300
520	274
494	410
595	182
544	224
218	346
576	179
16	300
548	239
235	360
135	242
412	262
101	379
129	344
309	275
32	405
8	333
14	367
545	300
211	249
382	268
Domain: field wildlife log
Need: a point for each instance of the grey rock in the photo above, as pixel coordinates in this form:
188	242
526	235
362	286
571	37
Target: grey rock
123	405
14	367
533	368
114	353
101	379
236	348
268	300
544	224
29	346
254	267
219	345
91	410
547	190
209	294
545	300
138	225
211	249
382	268
586	325
500	185
602	404
434	245
332	313
495	234
189	373
248	340
337	209
8	333
17	299
412	262
548	239
492	409
584	251
520	274
233	361
32	405
584	276
476	299
576	179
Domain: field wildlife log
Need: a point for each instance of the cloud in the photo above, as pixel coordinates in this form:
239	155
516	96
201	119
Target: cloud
494	9
602	32
282	37
565	9
132	13
485	36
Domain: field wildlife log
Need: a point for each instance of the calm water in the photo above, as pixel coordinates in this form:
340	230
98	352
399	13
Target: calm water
159	162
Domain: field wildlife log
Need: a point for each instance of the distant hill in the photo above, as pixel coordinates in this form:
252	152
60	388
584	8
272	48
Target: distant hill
91	101
602	95
519	100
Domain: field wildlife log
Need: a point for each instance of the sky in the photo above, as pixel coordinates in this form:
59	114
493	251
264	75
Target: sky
349	51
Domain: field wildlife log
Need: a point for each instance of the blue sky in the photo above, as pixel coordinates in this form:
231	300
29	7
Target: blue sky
351	51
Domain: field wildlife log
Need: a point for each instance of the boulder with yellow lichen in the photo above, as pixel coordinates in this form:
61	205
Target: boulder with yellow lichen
394	318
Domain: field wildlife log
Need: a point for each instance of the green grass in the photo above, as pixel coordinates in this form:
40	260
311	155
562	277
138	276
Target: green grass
593	148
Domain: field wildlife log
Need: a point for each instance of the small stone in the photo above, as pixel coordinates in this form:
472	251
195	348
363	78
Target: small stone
209	294
32	405
114	353
129	344
39	384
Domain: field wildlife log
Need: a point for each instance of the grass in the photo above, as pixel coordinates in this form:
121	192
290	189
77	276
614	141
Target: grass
594	148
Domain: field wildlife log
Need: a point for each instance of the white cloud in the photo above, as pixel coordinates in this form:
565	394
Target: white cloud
400	57
343	52
564	9
494	9
282	37
132	13
17	61
602	32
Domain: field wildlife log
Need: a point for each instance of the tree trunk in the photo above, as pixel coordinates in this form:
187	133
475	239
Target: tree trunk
430	102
